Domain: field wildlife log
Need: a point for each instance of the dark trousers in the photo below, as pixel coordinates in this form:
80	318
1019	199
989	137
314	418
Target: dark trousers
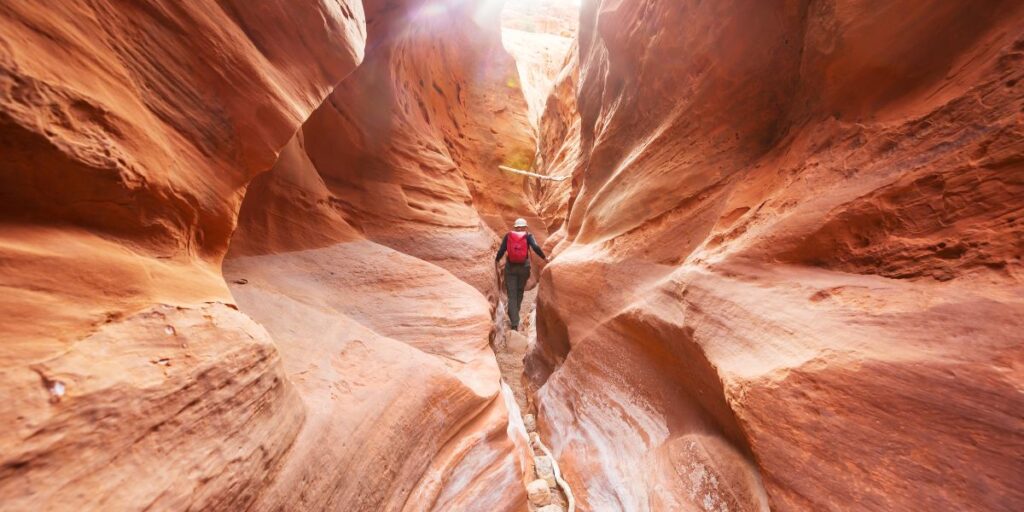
515	283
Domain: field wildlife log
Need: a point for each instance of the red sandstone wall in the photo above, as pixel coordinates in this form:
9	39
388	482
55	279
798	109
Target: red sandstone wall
407	148
788	274
367	252
792	268
132	133
128	132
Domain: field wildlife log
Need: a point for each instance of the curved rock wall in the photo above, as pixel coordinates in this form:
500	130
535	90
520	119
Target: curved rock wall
367	252
558	147
133	132
791	267
128	132
788	266
407	148
538	36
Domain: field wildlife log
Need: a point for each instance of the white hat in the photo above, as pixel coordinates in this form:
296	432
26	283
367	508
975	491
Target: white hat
520	223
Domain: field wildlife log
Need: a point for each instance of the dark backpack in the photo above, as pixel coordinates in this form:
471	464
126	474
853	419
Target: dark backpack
518	247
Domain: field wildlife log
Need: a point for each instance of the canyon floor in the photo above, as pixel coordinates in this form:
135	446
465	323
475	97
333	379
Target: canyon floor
510	350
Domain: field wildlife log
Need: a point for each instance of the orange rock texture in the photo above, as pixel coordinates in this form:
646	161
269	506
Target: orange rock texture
407	148
128	132
247	253
789	274
367	253
351	370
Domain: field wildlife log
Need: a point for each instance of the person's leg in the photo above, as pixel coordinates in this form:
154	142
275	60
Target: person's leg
512	287
524	277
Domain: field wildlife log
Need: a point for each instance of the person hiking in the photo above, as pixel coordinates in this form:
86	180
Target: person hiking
517	244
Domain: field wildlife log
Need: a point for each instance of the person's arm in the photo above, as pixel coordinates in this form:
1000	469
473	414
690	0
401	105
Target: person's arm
536	248
502	249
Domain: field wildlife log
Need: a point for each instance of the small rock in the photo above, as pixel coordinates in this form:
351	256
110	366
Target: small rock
530	422
56	389
551	508
545	469
538	492
241	281
515	341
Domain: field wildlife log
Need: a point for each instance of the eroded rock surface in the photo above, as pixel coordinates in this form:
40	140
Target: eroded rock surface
132	134
406	150
787	273
539	58
790	272
129	131
367	252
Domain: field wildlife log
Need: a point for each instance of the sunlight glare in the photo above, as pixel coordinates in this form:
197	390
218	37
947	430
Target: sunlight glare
538	3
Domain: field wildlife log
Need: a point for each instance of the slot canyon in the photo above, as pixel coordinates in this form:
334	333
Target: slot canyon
247	255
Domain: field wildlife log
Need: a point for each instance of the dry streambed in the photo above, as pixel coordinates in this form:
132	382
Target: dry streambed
545	487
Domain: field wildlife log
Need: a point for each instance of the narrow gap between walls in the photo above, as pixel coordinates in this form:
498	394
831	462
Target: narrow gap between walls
546	490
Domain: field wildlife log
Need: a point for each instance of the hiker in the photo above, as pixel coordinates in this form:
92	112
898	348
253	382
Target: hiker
517	244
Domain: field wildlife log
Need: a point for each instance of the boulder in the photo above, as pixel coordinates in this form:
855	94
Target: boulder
538	492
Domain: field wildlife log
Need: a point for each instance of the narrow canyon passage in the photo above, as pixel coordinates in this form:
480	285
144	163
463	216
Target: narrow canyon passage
367	253
247	255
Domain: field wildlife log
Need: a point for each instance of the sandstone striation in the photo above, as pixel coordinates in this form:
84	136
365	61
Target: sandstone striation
133	133
247	255
406	150
367	252
128	133
790	270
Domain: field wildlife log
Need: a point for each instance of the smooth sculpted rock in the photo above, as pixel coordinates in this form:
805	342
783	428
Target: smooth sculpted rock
137	139
395	369
790	273
787	274
129	131
368	255
406	150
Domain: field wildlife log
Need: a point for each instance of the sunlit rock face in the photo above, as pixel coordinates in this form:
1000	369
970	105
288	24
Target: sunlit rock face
356	375
555	17
538	35
367	253
407	148
558	147
791	267
128	132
